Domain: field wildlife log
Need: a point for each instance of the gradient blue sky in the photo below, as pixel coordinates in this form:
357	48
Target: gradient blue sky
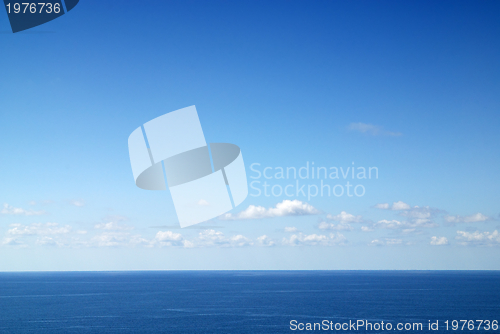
410	87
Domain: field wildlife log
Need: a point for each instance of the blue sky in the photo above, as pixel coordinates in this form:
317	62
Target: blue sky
411	88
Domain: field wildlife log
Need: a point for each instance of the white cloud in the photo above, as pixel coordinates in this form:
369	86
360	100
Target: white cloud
44	202
393	241
38	229
239	240
406	225
51	241
209	238
417	212
169	238
416	216
53	234
396	206
400	205
345	217
203	202
113	226
366	229
301	239
371	129
9	241
285	208
137	239
264	240
420	216
10	210
476	218
116	239
389	224
438	241
47	234
188	244
107	239
291	229
408	230
386	242
478	238
78	203
335	227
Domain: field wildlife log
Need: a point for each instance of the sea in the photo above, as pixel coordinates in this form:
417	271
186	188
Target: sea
250	302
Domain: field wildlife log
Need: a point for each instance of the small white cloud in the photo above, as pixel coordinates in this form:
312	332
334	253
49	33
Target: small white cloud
366	229
439	241
405	225
113	226
478	238
389	224
107	239
335	227
393	241
38	229
285	208
408	230
169	238
10	241
239	241
202	202
301	239
476	218
416	216
345	217
396	206
400	206
137	239
47	234
211	238
78	203
420	216
371	129
188	244
51	241
291	229
10	210
417	212
113	238
264	240
386	242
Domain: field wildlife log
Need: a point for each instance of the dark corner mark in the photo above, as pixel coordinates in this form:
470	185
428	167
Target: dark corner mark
25	15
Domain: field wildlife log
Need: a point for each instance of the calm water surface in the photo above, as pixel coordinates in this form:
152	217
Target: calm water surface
240	301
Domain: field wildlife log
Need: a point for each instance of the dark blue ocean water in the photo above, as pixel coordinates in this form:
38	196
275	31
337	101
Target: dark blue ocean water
241	301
